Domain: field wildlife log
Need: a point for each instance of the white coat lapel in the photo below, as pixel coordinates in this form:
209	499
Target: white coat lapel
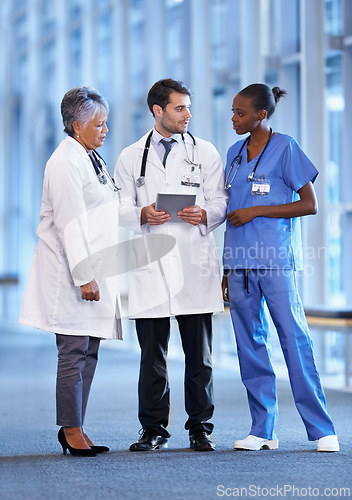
154	158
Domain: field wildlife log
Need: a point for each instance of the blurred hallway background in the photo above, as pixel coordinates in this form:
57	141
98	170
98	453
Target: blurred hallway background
216	47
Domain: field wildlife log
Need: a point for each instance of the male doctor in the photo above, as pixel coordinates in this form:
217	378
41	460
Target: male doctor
178	275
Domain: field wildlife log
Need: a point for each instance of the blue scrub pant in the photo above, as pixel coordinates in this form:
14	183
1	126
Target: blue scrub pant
248	291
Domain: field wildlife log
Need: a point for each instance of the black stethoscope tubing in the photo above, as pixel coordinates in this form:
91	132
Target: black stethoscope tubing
141	179
97	160
238	158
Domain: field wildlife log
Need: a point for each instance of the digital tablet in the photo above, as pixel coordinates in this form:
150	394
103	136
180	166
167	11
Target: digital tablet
174	202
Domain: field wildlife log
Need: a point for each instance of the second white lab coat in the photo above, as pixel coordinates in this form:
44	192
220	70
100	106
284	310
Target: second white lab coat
174	267
77	242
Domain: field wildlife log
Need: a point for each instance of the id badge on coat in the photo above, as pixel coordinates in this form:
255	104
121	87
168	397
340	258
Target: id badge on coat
260	187
191	177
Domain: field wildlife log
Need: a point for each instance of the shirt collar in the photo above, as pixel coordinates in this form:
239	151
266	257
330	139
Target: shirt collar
156	137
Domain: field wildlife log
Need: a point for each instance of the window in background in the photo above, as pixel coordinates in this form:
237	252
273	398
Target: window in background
137	65
103	60
335	268
75	9
221	111
47	19
218	15
49	80
221	105
102	3
76	57
21	30
18	5
178	40
139	123
269	27
137	47
333	17
103	67
45	47
225	69
289	29
18	132
58	54
286	63
335	106
280	46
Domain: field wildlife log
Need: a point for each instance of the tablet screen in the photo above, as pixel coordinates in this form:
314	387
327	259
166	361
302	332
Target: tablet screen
174	202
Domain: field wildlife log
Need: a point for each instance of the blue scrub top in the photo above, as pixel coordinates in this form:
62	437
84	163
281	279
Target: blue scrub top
267	242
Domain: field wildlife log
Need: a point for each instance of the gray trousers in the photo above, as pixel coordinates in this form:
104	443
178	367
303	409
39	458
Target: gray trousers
77	359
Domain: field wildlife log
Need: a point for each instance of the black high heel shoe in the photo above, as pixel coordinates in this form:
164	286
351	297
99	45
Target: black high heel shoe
99	449
86	452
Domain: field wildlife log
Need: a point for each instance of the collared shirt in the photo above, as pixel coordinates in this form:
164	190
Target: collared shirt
159	147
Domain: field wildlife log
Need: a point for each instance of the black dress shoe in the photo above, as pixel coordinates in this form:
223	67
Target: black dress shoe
149	441
201	442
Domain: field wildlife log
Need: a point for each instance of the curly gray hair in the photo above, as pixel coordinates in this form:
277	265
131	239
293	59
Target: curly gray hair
81	104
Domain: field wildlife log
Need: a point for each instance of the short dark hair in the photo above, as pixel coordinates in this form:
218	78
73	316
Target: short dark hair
81	104
160	92
263	97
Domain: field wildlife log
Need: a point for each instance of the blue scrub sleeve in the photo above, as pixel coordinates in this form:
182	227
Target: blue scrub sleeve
298	170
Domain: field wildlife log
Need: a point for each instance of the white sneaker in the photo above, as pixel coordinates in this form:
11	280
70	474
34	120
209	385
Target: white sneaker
328	443
256	443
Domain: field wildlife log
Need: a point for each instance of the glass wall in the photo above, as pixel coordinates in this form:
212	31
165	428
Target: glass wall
216	47
334	108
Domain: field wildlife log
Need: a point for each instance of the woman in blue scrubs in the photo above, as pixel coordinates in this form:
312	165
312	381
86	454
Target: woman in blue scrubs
270	181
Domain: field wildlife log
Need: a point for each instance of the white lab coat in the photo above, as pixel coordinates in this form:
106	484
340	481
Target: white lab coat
178	270
77	243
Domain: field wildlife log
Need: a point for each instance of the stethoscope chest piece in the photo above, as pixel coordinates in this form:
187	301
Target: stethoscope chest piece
140	181
102	179
97	160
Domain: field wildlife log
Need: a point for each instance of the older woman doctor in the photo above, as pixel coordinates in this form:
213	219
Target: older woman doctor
72	288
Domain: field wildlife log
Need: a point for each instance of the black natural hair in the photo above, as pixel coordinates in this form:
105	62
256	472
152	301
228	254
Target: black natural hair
263	97
160	92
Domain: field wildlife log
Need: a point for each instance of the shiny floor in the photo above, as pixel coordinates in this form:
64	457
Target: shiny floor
32	465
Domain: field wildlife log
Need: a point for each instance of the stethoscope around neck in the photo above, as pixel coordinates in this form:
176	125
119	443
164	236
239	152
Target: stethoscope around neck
238	158
102	173
141	179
